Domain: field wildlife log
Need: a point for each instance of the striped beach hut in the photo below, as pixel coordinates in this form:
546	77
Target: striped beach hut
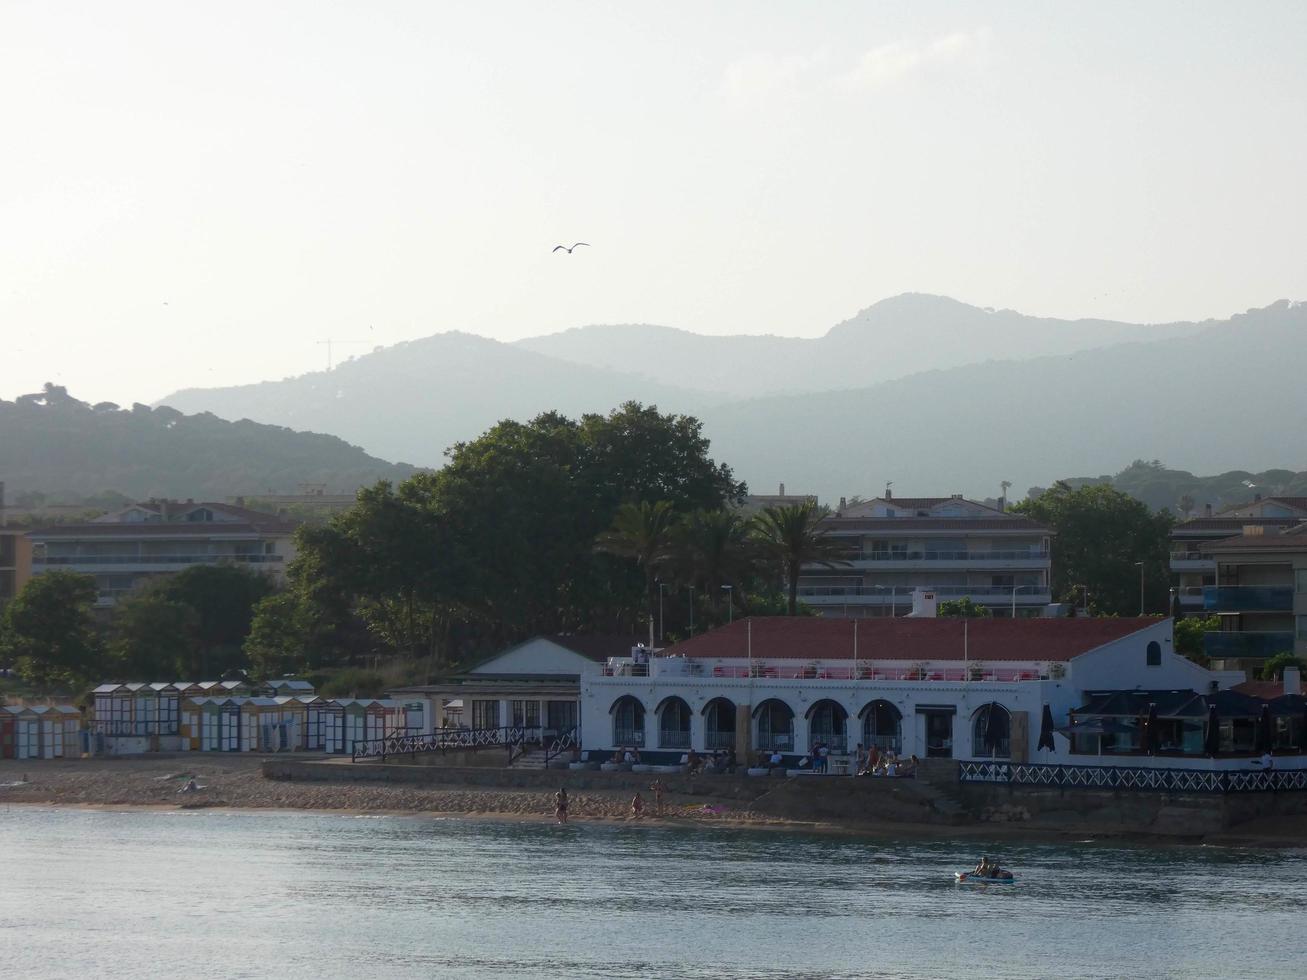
331	715
45	731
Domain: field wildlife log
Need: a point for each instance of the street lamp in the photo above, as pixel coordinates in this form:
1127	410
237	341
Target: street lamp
730	602
1140	566
1084	596
691	610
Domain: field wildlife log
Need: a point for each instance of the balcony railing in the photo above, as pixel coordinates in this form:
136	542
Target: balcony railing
1248	598
775	741
718	740
151	559
673	740
905	591
1257	645
949	556
633	737
873	672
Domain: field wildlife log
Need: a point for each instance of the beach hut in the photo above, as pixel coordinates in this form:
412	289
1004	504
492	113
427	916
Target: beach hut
114	706
27	732
167	709
8	715
58	726
273	724
289	687
332	721
314	711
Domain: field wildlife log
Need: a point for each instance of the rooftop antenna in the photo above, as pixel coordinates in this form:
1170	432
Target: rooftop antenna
888	492
328	343
1002	494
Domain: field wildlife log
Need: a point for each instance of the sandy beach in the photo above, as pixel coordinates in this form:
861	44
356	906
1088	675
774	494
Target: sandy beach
234	781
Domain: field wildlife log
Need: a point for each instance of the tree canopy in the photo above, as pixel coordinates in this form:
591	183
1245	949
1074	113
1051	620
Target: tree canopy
48	631
1101	537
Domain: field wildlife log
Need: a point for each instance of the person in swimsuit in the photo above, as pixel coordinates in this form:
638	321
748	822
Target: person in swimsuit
637	805
560	805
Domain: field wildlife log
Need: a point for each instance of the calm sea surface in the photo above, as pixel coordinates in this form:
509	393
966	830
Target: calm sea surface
201	894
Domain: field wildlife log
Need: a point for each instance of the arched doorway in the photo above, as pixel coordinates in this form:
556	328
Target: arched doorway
628	722
673	724
719	724
991	732
775	723
828	724
882	726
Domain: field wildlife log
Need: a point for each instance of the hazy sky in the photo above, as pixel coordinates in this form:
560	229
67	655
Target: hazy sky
195	194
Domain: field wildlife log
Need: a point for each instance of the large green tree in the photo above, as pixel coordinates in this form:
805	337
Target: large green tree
1101	537
48	631
793	536
222	599
152	637
646	533
500	543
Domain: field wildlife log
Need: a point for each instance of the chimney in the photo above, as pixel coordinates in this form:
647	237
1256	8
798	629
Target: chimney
925	604
1292	680
889	494
782	490
1207	510
843	502
1257	498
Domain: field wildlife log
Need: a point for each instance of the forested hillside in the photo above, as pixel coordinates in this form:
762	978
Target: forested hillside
52	443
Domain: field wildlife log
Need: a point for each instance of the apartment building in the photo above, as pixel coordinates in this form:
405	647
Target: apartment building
950	545
1259	591
1192	570
126	549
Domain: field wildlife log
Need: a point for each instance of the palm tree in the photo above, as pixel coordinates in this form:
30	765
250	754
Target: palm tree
793	536
715	548
645	532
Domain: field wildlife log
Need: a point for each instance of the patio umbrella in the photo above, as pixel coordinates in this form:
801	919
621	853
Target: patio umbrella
1046	730
1152	740
1265	730
1212	744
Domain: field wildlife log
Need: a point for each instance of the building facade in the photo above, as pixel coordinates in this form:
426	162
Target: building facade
933	688
15	562
952	546
124	550
1259	591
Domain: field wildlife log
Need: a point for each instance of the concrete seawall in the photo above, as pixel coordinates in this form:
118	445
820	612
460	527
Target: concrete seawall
937	801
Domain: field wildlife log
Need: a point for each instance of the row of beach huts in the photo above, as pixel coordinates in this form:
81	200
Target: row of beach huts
205	716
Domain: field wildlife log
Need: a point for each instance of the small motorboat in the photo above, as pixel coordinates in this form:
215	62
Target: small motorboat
971	878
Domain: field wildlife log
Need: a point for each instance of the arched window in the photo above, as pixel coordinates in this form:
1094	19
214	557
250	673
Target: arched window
991	732
882	727
775	726
719	724
1154	654
628	722
828	723
673	724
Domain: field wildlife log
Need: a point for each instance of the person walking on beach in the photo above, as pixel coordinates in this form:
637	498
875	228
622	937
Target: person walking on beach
560	805
637	806
657	788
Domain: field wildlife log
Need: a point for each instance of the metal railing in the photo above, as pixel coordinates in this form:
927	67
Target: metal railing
563	742
886	743
871	672
150	559
718	740
903	591
443	740
1156	779
1010	555
673	740
776	742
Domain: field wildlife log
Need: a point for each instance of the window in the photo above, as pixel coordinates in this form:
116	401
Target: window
485	714
1302	628
1300	578
1154	654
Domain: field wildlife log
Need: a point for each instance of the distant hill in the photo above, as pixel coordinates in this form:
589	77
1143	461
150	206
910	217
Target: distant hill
1184	494
899	336
53	443
1232	393
414	400
1201	396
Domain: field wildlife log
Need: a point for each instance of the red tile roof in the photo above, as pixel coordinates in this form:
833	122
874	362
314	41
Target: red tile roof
888	638
1288	540
1266	690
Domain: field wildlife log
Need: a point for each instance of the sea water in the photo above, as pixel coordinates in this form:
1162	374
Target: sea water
194	894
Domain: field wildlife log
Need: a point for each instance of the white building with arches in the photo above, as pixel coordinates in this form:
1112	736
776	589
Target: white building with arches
935	688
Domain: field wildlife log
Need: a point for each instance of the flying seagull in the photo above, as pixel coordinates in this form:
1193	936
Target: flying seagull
569	250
